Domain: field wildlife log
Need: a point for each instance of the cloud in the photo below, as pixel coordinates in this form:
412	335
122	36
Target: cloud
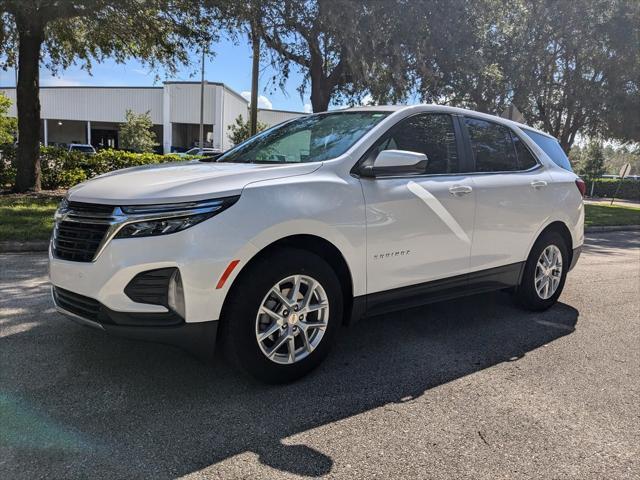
263	102
308	108
59	82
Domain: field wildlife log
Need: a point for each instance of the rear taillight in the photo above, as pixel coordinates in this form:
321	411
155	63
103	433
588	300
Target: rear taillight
581	186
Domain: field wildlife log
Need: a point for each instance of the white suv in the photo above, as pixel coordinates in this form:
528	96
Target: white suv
318	222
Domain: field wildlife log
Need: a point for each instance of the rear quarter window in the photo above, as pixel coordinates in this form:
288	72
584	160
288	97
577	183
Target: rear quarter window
551	147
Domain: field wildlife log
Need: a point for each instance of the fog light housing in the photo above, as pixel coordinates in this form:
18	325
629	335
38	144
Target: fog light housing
175	294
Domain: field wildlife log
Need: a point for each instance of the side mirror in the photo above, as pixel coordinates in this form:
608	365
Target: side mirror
397	162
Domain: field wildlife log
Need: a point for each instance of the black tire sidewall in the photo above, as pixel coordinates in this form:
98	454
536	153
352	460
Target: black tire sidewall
239	314
527	294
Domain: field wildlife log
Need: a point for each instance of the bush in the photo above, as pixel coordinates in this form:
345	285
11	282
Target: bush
63	169
606	187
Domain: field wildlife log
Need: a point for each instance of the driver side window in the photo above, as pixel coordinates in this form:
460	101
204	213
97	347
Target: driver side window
429	133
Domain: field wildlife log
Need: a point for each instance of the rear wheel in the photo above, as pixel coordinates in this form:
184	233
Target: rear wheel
282	316
545	273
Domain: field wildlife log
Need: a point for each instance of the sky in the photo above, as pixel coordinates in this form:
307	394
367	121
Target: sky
231	64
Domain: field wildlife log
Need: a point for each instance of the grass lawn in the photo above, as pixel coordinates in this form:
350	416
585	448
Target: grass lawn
27	217
30	217
600	215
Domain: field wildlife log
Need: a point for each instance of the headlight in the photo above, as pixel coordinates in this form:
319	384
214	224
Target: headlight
163	219
63	208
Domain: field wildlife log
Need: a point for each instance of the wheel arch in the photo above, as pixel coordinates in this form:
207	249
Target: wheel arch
561	228
314	244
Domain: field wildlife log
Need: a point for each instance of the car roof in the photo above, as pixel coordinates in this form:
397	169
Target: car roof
442	108
80	145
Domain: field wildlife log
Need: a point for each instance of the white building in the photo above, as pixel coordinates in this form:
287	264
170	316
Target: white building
94	114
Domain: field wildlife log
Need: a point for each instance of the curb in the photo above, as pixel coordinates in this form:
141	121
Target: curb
30	246
612	228
43	245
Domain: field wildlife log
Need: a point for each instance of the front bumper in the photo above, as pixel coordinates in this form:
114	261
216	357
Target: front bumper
197	338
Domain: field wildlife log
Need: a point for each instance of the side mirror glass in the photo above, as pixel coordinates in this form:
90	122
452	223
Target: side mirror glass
397	162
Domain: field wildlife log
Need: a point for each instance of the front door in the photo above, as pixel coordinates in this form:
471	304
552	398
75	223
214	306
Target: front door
419	227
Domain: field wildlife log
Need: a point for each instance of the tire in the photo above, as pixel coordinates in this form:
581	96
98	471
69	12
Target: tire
253	290
527	295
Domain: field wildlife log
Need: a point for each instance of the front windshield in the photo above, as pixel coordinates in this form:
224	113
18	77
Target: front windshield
307	139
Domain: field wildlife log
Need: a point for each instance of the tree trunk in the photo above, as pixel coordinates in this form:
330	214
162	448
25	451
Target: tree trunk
320	94
30	37
255	69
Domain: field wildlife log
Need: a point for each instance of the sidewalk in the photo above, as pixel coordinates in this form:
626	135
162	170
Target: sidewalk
607	201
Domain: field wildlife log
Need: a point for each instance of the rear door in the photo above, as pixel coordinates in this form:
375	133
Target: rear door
511	194
419	227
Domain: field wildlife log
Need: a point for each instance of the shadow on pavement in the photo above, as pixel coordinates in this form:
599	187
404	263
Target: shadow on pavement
80	403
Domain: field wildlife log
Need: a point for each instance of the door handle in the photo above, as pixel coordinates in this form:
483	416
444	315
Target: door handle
459	190
537	184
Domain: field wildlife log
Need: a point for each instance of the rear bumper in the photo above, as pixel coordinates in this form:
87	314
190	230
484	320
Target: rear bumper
197	338
576	255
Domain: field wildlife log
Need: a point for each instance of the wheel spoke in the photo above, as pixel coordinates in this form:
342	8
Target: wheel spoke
271	313
278	294
297	280
311	286
316	307
276	346
269	331
291	345
305	338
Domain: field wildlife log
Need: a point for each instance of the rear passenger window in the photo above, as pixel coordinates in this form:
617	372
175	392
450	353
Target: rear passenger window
526	160
492	147
429	133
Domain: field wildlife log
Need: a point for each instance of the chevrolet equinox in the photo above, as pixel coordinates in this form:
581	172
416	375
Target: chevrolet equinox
317	222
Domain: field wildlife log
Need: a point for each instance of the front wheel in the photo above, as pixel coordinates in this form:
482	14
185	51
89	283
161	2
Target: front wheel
545	273
282	316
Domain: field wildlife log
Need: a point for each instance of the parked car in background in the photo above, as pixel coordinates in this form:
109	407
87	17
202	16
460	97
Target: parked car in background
197	151
317	222
82	148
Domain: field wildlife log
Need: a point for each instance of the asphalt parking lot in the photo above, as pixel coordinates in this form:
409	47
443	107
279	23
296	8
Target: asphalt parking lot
473	388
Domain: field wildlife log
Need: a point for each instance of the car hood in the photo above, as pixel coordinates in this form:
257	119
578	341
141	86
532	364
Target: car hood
179	182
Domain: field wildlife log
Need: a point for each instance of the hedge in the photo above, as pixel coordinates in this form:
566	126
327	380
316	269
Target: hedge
63	169
606	187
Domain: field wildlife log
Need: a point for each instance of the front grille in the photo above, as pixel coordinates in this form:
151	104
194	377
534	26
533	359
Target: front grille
79	233
82	306
78	241
83	209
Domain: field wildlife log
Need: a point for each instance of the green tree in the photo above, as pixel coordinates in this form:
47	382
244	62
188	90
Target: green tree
241	130
593	166
8	125
570	67
59	33
137	134
344	48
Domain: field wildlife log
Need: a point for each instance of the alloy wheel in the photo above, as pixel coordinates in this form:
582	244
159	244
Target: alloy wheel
292	319
548	272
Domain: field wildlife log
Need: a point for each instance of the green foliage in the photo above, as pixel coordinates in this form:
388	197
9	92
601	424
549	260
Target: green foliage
8	125
606	188
592	166
604	215
37	34
64	169
137	134
160	33
26	217
241	130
